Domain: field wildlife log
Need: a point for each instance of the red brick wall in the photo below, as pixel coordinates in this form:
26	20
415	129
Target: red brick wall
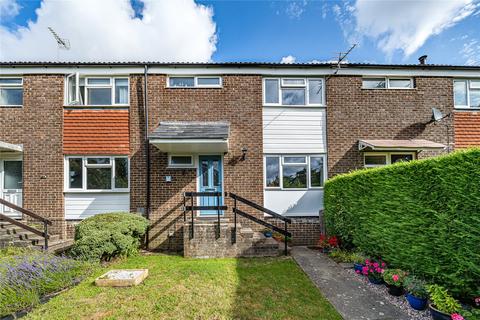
239	102
102	132
467	129
354	113
38	126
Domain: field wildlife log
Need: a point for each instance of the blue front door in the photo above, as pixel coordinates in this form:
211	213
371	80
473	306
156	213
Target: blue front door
211	180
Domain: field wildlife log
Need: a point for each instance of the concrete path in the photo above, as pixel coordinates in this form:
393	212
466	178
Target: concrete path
351	299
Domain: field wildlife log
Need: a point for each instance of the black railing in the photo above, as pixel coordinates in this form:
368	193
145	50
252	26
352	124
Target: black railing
24	226
249	203
191	207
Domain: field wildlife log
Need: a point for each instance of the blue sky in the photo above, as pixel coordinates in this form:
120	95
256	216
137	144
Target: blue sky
391	31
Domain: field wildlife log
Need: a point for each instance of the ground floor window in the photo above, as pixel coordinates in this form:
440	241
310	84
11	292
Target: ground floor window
378	159
294	171
97	173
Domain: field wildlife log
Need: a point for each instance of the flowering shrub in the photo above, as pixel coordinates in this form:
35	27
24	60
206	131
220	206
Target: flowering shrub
27	275
328	242
394	277
374	269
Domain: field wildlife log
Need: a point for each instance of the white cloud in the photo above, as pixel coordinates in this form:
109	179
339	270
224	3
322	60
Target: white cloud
8	8
471	52
295	9
108	30
402	25
288	59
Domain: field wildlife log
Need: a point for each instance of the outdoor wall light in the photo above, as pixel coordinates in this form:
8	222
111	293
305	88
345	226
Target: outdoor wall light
244	153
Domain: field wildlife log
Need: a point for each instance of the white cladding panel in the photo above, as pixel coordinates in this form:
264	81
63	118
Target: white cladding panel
294	130
84	205
300	203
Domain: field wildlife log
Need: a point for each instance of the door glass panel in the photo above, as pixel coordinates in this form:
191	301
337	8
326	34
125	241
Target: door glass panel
13	175
216	173
204	173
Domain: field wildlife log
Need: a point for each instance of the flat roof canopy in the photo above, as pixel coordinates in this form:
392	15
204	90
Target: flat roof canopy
391	145
191	137
8	147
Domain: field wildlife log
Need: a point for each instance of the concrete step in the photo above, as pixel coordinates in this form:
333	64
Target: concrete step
57	246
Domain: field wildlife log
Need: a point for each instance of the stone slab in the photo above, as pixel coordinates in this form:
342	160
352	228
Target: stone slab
122	278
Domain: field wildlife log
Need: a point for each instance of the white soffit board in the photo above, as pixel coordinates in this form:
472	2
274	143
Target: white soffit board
190	146
8	147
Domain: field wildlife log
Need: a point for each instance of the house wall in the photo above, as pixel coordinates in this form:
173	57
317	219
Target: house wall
467	129
354	113
239	101
38	126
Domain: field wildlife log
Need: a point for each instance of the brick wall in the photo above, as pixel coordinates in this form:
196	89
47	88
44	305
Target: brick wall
305	230
38	126
467	129
239	102
354	113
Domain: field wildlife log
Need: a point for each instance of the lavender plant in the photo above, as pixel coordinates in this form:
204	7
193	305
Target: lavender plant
27	276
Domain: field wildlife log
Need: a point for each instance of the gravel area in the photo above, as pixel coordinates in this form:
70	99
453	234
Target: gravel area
382	290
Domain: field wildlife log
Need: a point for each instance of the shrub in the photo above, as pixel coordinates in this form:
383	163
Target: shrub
421	216
394	277
415	286
374	269
108	235
27	275
442	300
344	256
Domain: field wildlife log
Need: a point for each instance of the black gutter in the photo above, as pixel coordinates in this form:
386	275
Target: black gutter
147	150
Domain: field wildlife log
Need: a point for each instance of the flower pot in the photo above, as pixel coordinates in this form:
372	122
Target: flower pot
415	302
357	267
268	234
394	290
325	250
375	281
437	314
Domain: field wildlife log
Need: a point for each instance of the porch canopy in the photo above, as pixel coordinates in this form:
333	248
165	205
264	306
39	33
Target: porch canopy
8	147
191	137
401	145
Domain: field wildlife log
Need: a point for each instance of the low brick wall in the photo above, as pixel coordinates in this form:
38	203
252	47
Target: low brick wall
305	230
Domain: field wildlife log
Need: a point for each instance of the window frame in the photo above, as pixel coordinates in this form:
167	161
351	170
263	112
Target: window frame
191	165
305	87
388	155
195	81
387	82
12	86
85	166
111	86
468	86
307	164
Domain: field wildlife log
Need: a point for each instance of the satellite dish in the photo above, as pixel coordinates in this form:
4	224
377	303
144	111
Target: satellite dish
437	115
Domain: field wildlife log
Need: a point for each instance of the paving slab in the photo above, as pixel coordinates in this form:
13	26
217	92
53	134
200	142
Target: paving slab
351	299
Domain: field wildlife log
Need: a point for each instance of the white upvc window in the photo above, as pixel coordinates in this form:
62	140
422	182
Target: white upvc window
293	91
96	90
181	161
380	159
387	83
294	172
194	81
466	93
11	91
97	173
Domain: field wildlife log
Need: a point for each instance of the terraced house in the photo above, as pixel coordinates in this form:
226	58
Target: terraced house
213	152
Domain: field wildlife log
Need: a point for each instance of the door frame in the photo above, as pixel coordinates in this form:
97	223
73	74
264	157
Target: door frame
197	159
8	156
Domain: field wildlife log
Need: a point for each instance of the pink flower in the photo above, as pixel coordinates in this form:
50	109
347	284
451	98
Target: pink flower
365	271
367	262
383	265
377	270
477	301
382	270
375	265
456	316
357	271
395	277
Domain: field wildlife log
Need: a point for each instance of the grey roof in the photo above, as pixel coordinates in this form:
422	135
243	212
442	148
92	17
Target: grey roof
236	64
191	130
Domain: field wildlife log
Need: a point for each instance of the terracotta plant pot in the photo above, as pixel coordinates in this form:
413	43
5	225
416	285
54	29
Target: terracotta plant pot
394	290
437	314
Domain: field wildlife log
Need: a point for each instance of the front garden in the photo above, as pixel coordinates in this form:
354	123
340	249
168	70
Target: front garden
415	227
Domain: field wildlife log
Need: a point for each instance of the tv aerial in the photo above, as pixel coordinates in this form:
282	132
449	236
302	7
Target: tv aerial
63	44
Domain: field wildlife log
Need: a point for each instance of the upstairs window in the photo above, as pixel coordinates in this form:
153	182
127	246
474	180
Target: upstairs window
99	173
11	92
195	82
96	91
387	83
293	91
467	94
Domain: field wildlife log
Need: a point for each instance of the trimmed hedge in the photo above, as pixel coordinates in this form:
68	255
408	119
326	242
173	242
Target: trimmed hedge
108	235
421	216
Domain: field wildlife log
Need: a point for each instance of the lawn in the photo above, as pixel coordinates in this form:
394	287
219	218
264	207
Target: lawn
180	288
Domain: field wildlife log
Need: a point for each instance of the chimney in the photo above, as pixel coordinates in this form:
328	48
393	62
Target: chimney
423	59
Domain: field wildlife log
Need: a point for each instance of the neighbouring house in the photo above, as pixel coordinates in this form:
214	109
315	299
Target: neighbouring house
78	139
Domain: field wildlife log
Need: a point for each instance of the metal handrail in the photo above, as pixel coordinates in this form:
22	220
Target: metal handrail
45	221
192	207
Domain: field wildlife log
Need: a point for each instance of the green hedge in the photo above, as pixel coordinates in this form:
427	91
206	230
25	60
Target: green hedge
104	236
421	216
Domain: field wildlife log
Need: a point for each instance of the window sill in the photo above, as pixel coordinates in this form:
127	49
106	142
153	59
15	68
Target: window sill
296	106
293	189
389	89
96	191
206	87
97	106
11	106
467	109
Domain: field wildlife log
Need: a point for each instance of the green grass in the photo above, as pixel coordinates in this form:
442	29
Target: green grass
180	288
